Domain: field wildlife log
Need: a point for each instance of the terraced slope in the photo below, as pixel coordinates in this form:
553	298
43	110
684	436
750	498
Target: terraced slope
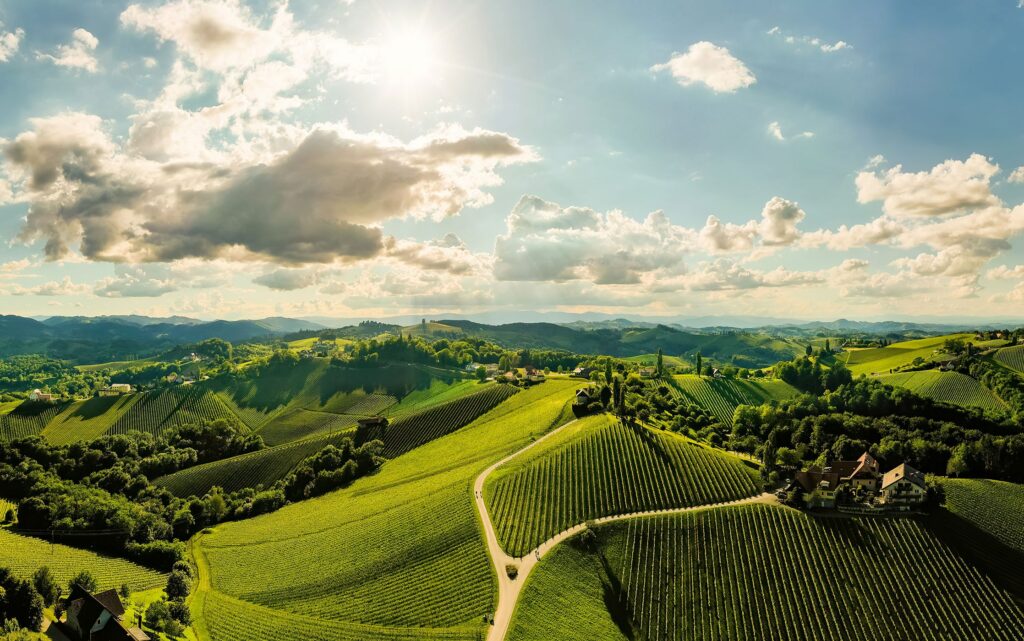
720	396
1012	357
762	572
25	554
26	419
948	387
400	550
601	467
879	360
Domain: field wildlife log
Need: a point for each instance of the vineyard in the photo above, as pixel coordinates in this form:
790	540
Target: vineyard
995	507
721	396
602	468
761	572
413	430
88	419
948	387
1012	357
298	424
879	360
154	412
25	554
400	549
27	419
259	468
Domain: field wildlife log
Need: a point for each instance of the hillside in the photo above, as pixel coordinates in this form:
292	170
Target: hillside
948	387
880	360
761	572
721	396
1012	357
399	551
602	467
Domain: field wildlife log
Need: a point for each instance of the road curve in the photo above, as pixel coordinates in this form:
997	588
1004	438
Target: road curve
509	589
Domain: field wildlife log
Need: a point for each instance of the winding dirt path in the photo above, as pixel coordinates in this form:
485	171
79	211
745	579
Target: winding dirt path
509	589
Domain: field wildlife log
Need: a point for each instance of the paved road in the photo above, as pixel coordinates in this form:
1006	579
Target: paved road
509	589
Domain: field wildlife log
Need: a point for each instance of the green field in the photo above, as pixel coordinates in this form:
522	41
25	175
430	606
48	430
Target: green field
116	366
995	507
25	554
26	419
602	467
879	360
948	387
650	360
1012	357
763	572
400	549
721	396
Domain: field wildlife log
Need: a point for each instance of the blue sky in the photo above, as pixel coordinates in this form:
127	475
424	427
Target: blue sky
220	158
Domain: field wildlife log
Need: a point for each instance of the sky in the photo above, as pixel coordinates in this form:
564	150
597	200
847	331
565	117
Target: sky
370	158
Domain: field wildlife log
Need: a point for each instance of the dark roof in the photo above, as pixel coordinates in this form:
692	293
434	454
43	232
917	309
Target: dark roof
111	601
373	420
811	479
92	605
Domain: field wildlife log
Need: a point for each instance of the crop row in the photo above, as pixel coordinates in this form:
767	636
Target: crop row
615	469
25	554
996	507
948	387
1012	357
759	572
260	468
413	430
721	396
156	411
24	421
297	424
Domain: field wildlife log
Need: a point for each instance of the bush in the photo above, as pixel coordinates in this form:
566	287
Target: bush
179	612
512	570
84	580
45	585
159	555
179	585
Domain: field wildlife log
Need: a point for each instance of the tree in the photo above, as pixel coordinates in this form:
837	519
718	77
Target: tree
661	364
617	393
828	346
45	585
481	373
608	371
809	350
700	370
84	580
606	395
179	585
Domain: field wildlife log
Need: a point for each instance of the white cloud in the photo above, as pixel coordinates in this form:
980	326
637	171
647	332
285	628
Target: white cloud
15	266
710	65
779	219
950	187
63	287
1017	176
77	54
288	279
1002	272
810	41
880	230
775	130
10	41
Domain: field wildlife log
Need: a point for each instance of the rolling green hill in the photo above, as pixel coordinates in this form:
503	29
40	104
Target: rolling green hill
948	387
879	360
26	419
995	507
763	572
399	550
721	396
1012	357
25	554
602	467
652	359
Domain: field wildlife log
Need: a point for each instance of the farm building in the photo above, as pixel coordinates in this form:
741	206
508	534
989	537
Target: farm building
904	485
116	389
39	395
98	616
582	372
647	372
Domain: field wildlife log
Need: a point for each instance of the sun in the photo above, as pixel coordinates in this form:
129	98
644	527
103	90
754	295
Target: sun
410	57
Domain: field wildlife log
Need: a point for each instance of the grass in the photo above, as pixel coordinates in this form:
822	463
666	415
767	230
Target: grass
115	366
650	360
1012	357
949	387
601	467
762	572
995	507
721	396
400	550
879	360
25	554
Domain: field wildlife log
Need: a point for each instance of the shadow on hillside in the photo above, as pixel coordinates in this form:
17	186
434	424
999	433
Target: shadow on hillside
95	406
1003	564
849	531
616	601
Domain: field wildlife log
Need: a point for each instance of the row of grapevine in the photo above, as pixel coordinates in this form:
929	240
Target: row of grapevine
760	572
1012	357
298	424
370	404
721	396
28	419
996	507
615	469
948	387
25	554
260	468
413	430
253	417
156	411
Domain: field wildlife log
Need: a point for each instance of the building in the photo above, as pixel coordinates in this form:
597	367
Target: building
582	372
39	395
97	617
584	397
647	372
862	473
116	389
904	485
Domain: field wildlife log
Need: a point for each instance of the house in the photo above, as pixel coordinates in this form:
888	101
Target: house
373	421
324	348
647	372
904	485
535	377
39	395
862	473
582	372
193	357
716	373
819	487
97	617
116	389
584	397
